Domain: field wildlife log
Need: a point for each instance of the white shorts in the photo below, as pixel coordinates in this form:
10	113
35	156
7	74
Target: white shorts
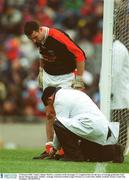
64	81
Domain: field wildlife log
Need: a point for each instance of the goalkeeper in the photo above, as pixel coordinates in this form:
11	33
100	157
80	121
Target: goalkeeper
60	58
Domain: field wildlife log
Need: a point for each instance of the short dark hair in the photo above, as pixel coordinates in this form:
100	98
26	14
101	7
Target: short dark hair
31	26
47	93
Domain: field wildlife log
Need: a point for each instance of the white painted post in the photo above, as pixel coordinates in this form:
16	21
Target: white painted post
105	79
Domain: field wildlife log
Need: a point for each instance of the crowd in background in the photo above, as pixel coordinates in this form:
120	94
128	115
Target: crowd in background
19	59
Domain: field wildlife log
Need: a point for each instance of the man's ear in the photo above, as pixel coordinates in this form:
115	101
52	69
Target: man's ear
40	29
50	99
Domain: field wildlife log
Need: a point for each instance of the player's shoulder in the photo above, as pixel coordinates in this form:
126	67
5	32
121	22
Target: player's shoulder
119	46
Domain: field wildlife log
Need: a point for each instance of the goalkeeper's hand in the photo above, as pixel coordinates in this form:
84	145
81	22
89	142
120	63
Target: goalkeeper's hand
40	77
78	83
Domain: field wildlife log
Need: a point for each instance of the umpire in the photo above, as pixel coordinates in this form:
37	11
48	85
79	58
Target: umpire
81	129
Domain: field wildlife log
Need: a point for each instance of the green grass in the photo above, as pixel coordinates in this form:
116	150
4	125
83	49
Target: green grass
20	161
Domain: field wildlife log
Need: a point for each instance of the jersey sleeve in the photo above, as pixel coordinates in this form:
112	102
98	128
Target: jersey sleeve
68	42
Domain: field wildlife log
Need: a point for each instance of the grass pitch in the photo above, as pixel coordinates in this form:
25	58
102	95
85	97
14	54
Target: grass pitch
20	161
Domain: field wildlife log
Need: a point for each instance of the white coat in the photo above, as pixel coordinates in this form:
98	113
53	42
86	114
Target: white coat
78	113
120	76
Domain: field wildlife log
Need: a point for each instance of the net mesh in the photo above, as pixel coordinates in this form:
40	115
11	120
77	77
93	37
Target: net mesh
122	116
121	21
121	32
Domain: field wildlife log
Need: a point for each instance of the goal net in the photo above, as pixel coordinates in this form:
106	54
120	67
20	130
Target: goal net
120	106
114	84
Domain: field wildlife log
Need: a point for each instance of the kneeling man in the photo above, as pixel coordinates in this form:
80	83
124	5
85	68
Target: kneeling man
81	129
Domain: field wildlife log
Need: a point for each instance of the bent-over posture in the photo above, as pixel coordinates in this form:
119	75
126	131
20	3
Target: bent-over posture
80	127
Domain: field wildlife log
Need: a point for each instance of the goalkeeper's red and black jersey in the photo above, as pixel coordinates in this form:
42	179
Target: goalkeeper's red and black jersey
60	53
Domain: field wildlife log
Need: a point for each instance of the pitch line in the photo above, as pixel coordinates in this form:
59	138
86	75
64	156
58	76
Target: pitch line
100	168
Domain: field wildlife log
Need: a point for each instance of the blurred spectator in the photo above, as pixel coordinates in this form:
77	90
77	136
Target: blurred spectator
1	6
43	17
28	53
12	49
3	91
88	8
9	108
42	3
11	20
70	20
15	3
54	4
73	4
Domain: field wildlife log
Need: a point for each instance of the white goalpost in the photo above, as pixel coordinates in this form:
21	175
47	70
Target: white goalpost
105	83
114	96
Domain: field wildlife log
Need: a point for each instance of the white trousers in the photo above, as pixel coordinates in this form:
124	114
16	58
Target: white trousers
64	81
